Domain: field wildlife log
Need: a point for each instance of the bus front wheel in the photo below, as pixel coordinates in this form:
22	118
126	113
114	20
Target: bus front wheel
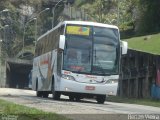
76	98
38	93
101	99
71	98
55	94
45	94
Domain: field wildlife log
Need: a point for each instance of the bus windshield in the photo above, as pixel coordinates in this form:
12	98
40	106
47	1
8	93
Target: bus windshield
91	50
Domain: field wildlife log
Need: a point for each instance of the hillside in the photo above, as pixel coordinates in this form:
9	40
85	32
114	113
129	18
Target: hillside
149	43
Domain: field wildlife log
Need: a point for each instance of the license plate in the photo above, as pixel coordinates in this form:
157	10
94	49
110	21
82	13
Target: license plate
90	88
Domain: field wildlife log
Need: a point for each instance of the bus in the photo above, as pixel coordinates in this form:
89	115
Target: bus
78	59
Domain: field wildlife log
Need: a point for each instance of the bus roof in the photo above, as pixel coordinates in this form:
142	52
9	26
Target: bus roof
79	23
90	24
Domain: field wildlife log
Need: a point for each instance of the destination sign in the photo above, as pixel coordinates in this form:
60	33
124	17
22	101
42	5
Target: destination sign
78	30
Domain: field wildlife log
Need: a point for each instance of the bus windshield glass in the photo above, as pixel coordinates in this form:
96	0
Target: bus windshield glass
91	50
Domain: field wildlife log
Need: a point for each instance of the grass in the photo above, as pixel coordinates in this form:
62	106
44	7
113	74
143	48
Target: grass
149	43
148	102
26	113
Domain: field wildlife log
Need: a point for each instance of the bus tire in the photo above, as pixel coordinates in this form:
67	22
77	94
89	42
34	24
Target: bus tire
78	98
71	98
45	94
55	94
101	99
38	93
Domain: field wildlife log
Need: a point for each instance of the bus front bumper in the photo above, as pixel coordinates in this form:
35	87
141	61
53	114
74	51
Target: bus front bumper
78	87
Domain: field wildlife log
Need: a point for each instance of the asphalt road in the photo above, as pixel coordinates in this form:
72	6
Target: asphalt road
83	110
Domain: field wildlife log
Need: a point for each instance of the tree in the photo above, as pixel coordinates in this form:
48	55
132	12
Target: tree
16	18
148	21
98	10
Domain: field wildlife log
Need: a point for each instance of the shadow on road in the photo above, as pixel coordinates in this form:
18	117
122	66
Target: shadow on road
91	101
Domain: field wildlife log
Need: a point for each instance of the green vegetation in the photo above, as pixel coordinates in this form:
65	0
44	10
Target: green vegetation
26	113
98	10
148	102
148	18
133	17
148	43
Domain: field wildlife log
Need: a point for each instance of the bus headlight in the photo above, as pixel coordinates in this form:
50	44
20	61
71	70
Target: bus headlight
111	81
68	77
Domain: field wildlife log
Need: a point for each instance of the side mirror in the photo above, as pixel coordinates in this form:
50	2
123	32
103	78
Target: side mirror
124	46
61	42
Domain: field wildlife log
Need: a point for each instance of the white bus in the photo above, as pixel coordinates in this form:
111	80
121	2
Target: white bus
78	59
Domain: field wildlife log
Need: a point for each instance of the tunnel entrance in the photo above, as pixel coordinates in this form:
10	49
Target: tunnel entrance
17	72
